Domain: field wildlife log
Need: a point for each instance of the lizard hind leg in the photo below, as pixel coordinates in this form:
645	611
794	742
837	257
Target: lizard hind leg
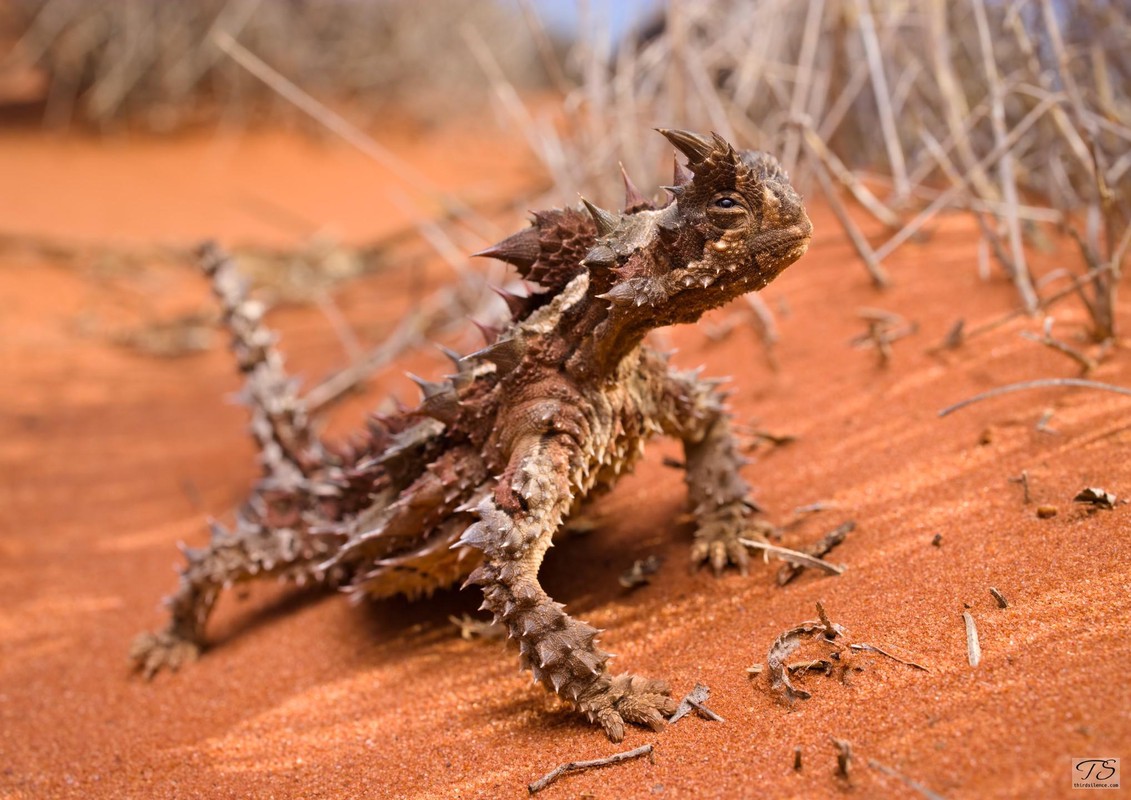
279	422
251	551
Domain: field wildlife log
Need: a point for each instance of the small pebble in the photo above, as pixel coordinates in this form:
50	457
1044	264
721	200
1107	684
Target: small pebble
1046	512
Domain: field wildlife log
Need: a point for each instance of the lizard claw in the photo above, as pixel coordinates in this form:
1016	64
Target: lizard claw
629	698
152	651
717	538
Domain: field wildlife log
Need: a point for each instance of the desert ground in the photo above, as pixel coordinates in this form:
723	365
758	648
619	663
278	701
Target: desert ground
119	437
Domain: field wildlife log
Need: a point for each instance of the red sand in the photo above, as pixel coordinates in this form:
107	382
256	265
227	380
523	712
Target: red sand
107	458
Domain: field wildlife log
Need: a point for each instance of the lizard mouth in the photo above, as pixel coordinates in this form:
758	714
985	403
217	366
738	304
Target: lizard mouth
793	247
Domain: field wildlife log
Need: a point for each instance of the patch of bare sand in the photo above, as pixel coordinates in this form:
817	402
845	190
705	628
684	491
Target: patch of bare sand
108	457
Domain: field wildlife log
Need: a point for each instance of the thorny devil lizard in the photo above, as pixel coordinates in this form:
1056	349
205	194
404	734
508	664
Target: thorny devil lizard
474	483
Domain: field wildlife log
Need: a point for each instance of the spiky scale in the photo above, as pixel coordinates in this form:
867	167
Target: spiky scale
428	388
476	536
452	355
633	200
520	249
680	174
623	294
490	332
515	303
505	354
606	221
600	256
695	147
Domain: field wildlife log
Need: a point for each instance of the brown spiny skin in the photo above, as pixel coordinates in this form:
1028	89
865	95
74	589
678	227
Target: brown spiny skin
475	482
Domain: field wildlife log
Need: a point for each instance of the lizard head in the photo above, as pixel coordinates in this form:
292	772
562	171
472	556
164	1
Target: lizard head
733	224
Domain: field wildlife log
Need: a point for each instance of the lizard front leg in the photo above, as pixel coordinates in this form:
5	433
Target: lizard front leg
514	532
693	411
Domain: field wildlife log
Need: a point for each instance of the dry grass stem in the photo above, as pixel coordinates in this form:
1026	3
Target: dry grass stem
871	648
1042	383
794	556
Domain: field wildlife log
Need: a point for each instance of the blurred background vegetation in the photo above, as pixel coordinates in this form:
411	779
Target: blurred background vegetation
1017	112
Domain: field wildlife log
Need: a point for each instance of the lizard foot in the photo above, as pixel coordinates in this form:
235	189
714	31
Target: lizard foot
152	651
716	540
628	698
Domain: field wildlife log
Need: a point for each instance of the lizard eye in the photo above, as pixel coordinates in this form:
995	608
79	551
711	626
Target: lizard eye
728	210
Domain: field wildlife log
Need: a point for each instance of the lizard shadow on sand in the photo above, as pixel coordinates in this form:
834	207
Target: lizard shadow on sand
581	571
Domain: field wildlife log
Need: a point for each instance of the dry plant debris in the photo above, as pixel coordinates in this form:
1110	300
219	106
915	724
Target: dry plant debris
1023	480
1018	110
793	556
999	597
578	766
152	65
472	628
695	700
1096	498
973	647
182	335
843	757
818	549
884	329
641	572
828	633
787	643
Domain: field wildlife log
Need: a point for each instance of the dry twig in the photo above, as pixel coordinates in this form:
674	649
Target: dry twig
1087	364
578	766
818	549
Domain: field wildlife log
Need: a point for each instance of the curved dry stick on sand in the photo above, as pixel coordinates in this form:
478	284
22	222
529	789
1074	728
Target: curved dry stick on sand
577	766
1037	384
